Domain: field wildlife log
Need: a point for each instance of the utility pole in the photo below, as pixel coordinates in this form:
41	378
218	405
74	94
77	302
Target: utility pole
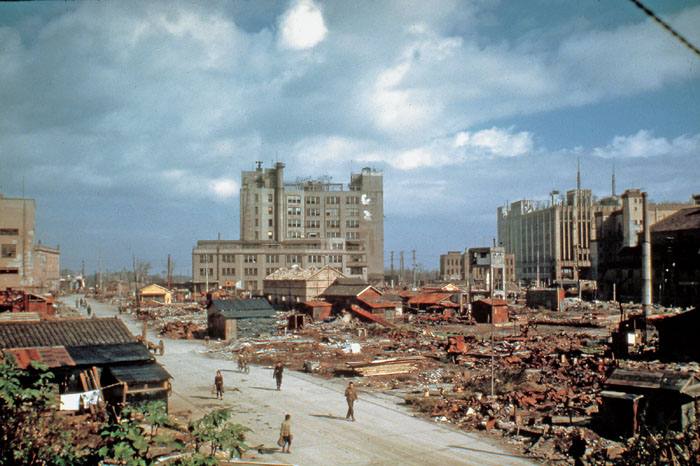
100	269
392	267
492	324
136	278
168	271
414	268
401	268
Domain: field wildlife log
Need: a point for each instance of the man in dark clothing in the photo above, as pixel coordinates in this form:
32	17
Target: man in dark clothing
578	448
219	385
351	397
277	374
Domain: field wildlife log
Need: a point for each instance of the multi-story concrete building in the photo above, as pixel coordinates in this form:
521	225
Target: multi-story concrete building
305	223
615	244
22	264
551	239
473	266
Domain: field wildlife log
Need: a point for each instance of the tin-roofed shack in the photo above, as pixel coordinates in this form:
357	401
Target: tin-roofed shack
661	399
230	319
486	311
82	353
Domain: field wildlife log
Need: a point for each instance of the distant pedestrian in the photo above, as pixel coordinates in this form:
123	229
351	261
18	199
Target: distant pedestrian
285	440
277	374
577	450
219	385
89	310
351	397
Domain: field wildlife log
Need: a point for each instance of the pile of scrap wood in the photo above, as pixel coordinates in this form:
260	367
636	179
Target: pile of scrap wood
401	365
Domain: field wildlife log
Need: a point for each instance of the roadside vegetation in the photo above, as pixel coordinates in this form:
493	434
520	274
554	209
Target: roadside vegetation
34	433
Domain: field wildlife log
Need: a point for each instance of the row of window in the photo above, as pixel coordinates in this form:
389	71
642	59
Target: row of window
316	212
295	234
329	200
290	259
9	232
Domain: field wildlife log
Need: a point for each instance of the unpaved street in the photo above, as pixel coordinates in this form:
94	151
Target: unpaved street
385	433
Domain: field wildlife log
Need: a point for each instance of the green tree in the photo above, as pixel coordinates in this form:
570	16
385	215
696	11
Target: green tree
32	432
214	432
127	440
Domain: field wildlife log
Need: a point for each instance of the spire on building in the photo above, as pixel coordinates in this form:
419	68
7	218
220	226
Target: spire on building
613	178
578	175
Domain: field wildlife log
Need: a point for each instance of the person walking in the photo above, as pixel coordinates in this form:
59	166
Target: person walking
277	374
286	434
219	385
351	397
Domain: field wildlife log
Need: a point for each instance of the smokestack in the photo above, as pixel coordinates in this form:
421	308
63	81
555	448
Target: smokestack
646	259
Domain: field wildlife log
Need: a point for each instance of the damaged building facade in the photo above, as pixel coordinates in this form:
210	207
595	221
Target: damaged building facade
470	265
616	244
308	223
24	264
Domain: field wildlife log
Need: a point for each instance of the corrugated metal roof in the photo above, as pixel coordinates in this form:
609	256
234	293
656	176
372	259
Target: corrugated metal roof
663	380
237	305
109	354
74	332
19	317
318	304
429	298
140	373
370	316
252	314
377	303
52	357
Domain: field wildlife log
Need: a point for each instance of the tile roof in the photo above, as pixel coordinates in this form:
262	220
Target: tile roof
684	219
73	332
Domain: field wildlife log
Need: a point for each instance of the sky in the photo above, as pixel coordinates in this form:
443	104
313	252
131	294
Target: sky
130	122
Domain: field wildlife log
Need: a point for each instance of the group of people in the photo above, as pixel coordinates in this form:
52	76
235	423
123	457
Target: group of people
81	303
285	440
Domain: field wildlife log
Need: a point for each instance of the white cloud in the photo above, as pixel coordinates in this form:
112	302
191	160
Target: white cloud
302	26
645	145
223	188
496	142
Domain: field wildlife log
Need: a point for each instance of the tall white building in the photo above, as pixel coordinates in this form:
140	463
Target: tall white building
305	223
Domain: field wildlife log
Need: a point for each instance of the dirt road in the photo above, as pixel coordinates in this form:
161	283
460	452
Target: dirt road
385	432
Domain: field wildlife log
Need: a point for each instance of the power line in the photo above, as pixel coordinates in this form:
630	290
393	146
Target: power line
683	40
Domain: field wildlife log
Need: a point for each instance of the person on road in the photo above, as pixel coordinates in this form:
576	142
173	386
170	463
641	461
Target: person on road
277	374
219	385
351	397
286	434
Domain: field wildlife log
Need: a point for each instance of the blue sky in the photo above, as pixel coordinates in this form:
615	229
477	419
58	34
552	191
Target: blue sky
130	122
